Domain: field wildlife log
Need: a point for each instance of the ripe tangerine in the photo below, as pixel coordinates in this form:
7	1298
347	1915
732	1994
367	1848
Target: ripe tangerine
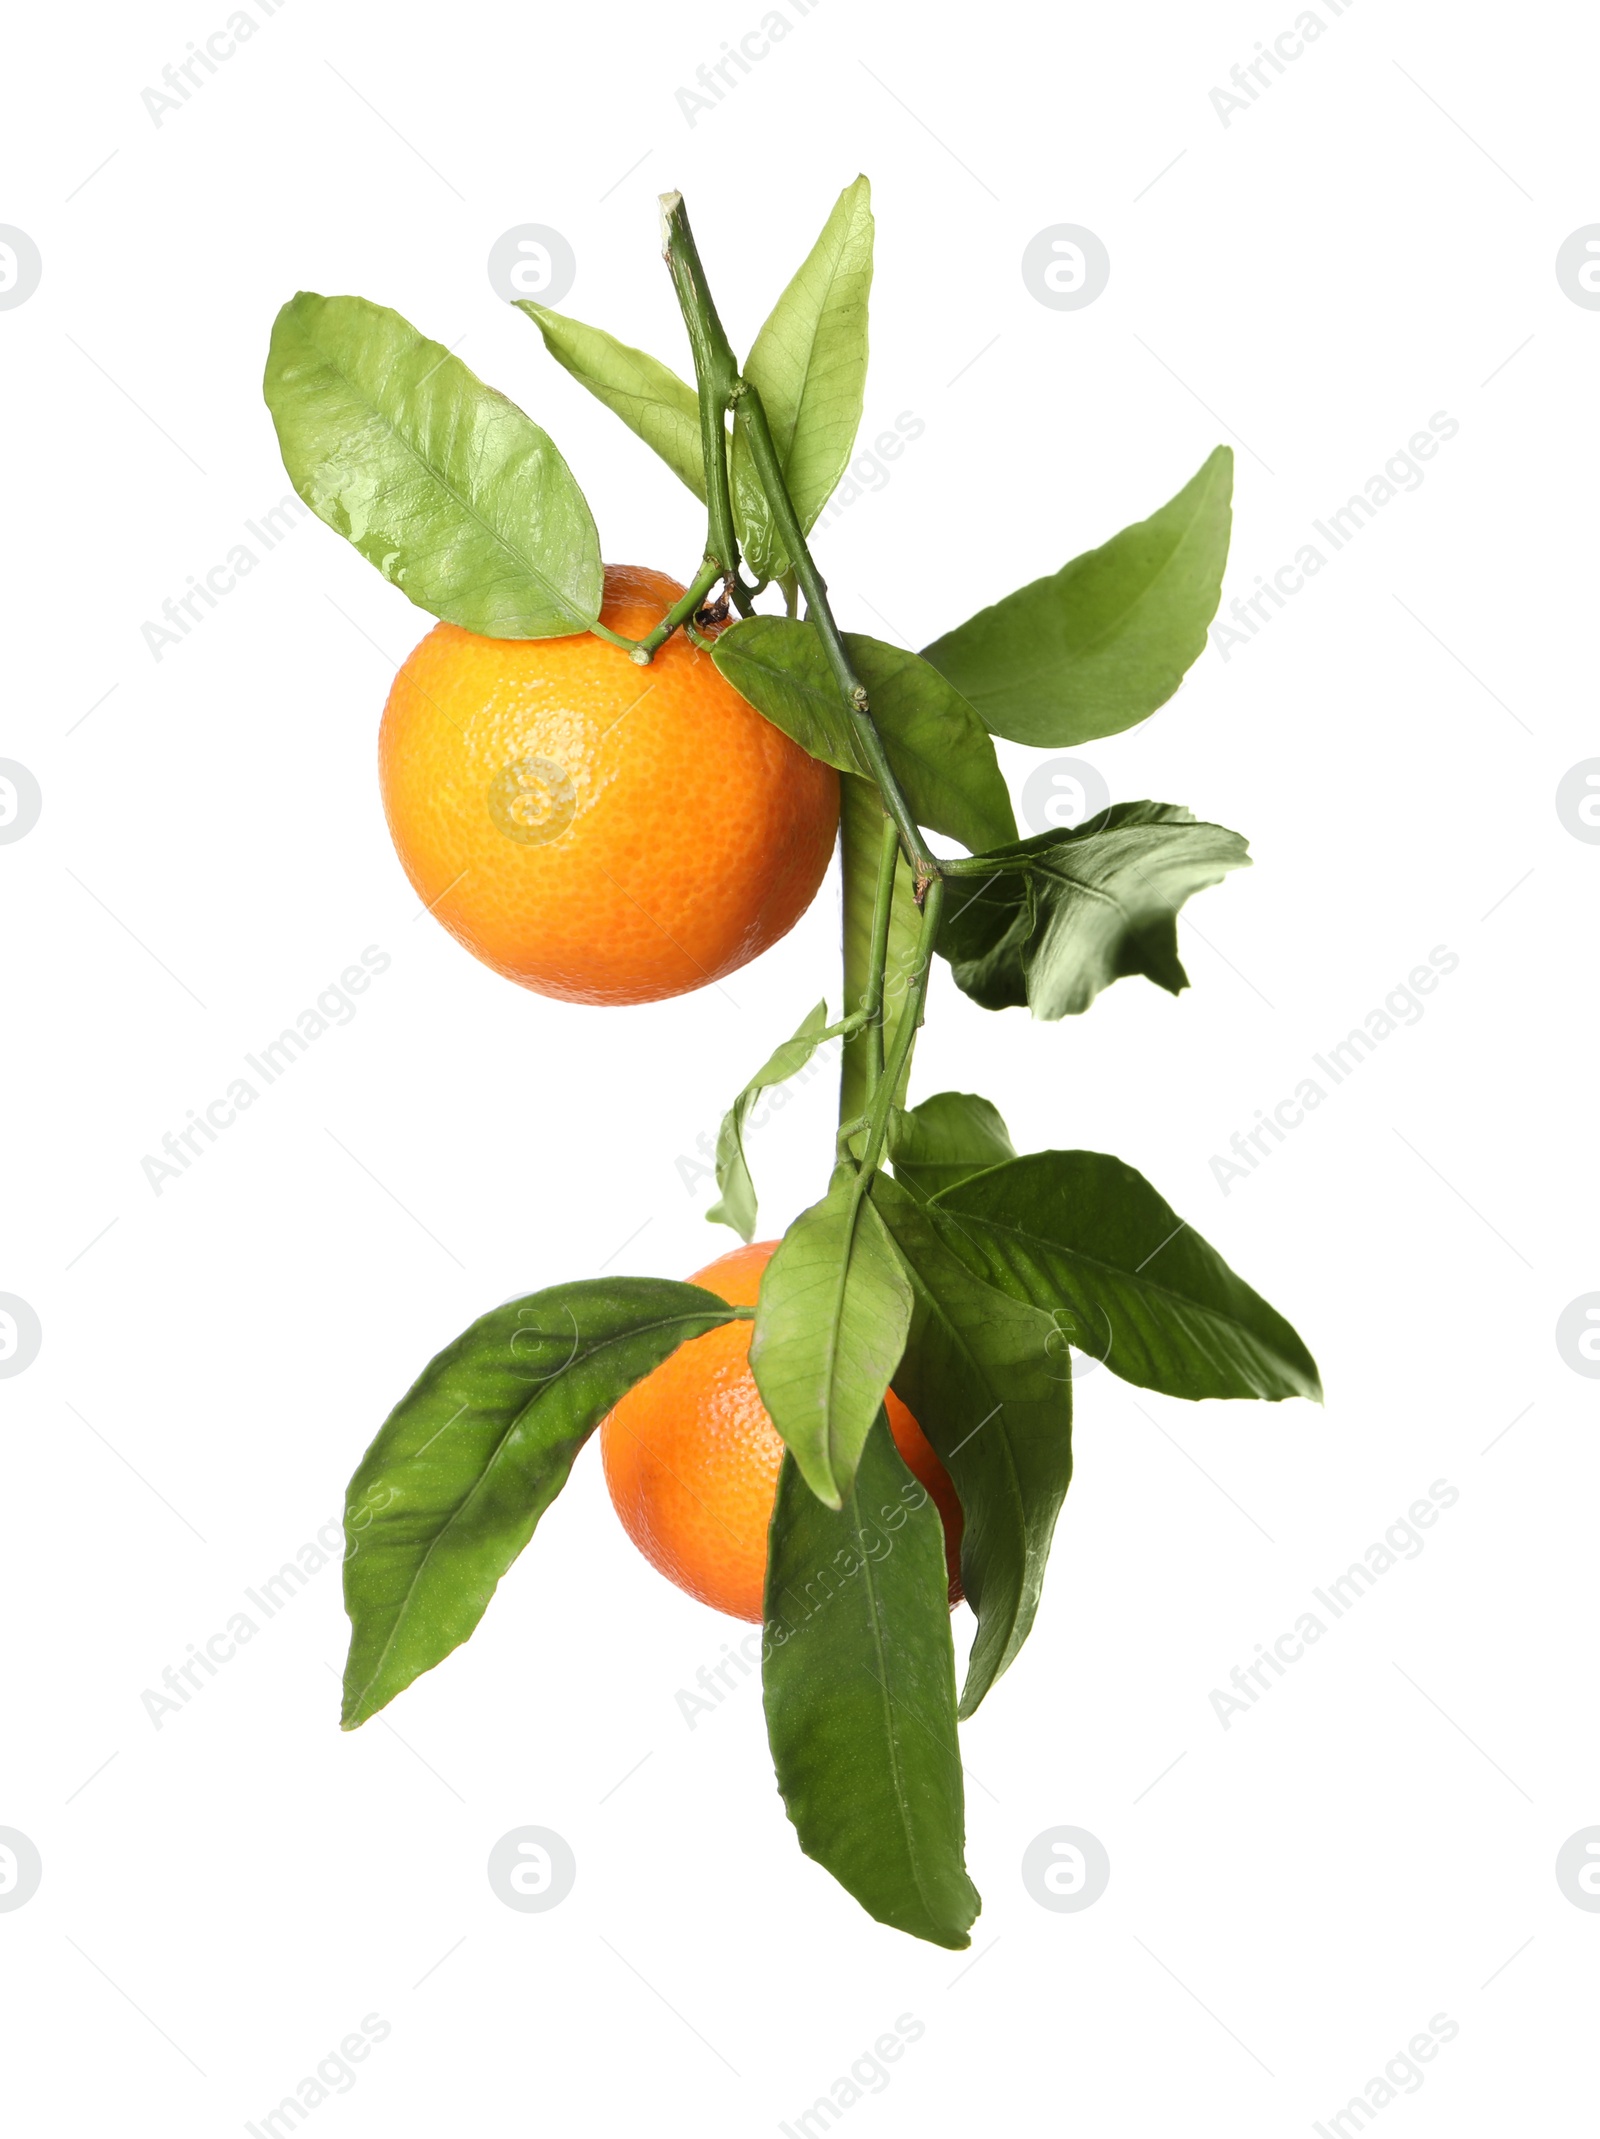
591	828
692	1457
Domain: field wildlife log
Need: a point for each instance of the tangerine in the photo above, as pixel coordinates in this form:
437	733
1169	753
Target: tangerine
691	1457
595	829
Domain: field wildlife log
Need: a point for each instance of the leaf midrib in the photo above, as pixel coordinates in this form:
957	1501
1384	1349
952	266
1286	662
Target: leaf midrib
836	1322
1114	624
359	393
513	1425
811	343
902	1794
805	1037
813	694
1013	1476
1018	679
1114	1270
647	393
936	741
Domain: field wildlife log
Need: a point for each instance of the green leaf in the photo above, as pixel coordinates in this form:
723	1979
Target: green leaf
936	744
447	487
948	1137
464	1466
1108	638
809	363
1067	913
1089	1240
861	821
858	1674
737	1205
988	1379
830	1327
652	401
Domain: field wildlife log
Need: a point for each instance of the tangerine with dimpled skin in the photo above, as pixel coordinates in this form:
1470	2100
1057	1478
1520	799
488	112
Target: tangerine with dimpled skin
692	1458
592	828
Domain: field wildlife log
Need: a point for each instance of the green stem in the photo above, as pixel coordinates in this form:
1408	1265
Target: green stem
905	1038
749	412
680	612
974	865
716	373
882	912
720	387
841	1141
614	638
893	1079
861	830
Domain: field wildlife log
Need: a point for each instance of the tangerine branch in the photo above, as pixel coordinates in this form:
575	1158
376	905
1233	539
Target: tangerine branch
682	611
716	374
905	1039
750	412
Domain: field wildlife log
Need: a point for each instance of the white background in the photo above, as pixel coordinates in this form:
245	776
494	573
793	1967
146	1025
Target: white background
1372	241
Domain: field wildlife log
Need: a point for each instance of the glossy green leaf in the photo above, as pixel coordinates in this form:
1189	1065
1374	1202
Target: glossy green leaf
989	1380
830	1327
652	401
809	363
1091	1242
447	487
737	1203
1108	638
858	1676
1069	912
464	1466
936	744
948	1137
861	822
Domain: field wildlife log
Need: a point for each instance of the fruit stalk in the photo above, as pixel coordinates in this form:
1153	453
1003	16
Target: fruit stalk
882	911
862	822
716	374
682	610
721	386
892	1080
749	411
